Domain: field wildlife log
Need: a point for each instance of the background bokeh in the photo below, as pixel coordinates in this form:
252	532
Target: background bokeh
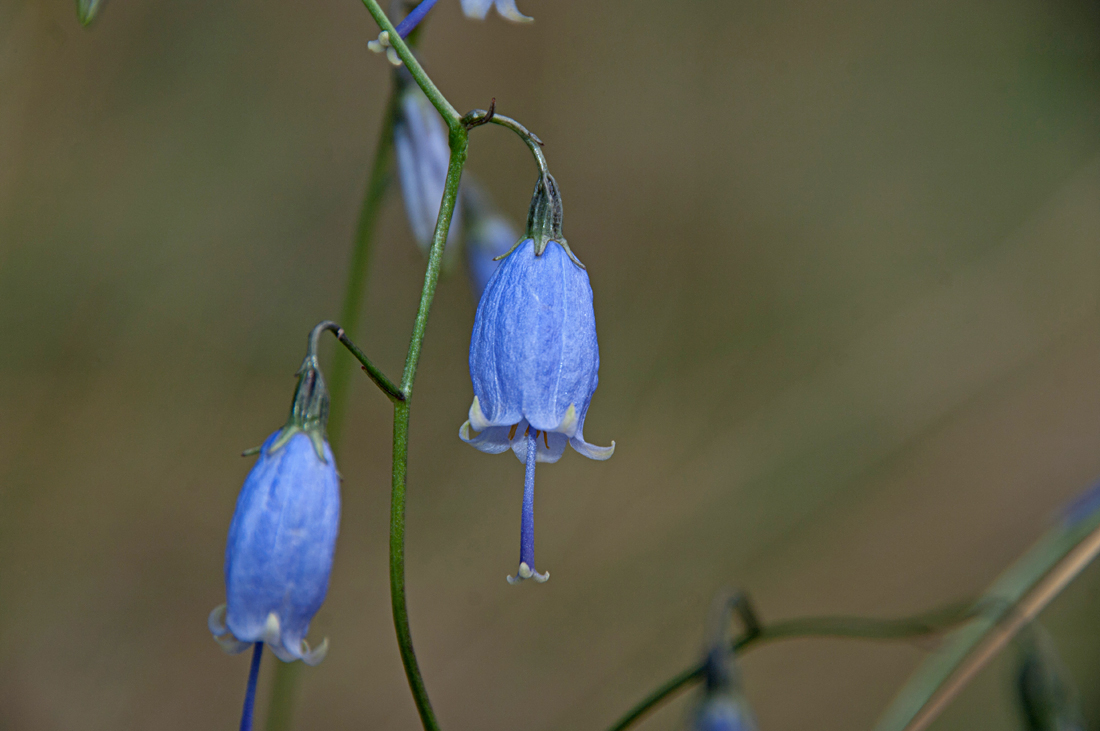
846	261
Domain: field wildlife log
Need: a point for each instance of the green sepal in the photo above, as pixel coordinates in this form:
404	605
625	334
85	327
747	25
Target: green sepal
544	218
309	409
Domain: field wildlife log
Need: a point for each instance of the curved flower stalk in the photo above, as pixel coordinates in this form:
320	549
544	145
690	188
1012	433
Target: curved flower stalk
278	556
489	235
422	152
534	359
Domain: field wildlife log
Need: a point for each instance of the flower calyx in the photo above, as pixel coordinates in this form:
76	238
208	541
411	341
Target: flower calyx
309	409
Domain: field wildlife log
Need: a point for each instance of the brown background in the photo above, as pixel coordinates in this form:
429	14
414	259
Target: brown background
847	277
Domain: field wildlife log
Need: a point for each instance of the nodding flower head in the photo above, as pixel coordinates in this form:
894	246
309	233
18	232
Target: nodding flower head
420	145
279	553
534	358
723	706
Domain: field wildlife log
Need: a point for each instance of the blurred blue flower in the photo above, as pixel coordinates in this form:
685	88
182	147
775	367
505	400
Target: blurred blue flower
488	235
723	706
422	151
279	553
534	359
507	9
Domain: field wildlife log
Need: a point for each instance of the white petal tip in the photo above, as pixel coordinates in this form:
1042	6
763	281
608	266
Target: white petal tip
525	572
591	450
316	655
222	635
509	11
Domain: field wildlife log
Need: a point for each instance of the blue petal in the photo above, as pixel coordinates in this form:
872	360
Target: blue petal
281	542
533	353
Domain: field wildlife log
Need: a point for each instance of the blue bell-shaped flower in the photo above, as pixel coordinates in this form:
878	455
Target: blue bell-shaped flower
534	359
423	154
279	553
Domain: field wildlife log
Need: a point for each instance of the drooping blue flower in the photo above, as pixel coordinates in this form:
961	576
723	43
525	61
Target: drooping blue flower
534	359
422	152
283	534
507	9
488	235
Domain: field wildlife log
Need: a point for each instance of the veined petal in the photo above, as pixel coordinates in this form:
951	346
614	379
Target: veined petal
280	547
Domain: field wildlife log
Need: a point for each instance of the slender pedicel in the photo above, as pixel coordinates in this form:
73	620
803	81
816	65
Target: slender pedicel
250	693
527	522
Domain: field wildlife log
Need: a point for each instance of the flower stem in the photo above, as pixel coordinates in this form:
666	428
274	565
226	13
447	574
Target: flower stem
250	692
848	627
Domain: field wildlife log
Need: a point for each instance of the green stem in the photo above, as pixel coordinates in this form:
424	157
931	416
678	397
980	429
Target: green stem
847	627
448	112
359	271
401	436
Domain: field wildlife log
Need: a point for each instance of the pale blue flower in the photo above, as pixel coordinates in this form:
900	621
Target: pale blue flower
423	154
507	9
488	236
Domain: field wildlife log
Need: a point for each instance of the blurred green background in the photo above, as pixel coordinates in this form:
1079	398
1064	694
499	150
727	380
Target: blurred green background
846	262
